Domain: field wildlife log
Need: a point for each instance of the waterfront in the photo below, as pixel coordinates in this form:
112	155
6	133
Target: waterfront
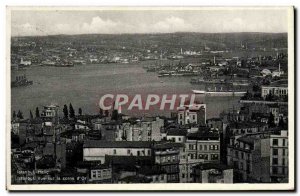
83	85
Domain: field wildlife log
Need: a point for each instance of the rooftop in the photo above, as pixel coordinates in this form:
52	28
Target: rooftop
177	132
251	138
207	166
116	144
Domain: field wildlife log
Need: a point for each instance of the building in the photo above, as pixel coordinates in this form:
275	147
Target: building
203	145
212	173
249	155
50	113
215	123
277	90
279	160
146	129
200	147
166	156
96	150
192	114
176	135
100	174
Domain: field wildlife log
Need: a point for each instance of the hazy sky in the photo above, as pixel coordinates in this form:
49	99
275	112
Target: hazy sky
25	23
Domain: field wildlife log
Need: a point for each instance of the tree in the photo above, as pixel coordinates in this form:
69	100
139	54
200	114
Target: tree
71	111
14	114
281	123
65	111
271	122
31	115
37	112
20	115
114	115
256	88
270	97
101	112
106	113
80	111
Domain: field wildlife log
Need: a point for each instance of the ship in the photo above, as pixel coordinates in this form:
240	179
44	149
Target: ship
21	80
219	93
55	64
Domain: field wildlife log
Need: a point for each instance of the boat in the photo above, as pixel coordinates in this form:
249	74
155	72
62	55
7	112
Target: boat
21	80
220	93
65	64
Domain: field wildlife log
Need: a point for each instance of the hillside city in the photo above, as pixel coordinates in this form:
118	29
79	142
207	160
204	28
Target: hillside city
248	143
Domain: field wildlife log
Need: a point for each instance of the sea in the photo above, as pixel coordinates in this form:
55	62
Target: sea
84	85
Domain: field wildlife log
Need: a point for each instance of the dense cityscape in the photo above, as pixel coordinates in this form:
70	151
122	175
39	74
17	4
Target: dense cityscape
246	143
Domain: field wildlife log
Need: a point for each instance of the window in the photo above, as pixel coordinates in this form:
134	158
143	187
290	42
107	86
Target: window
183	175
205	147
128	152
275	161
248	168
149	152
94	174
283	152
115	151
274	170
211	147
162	177
214	157
283	161
99	174
275	152
179	139
200	147
275	142
283	142
138	153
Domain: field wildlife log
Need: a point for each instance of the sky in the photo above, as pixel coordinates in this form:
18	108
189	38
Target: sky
52	22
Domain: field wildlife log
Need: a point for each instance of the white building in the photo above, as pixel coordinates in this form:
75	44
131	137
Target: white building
278	90
96	150
192	114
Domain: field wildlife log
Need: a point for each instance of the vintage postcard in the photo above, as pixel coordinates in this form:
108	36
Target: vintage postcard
150	98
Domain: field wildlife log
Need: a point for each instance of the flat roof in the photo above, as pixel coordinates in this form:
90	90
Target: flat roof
116	144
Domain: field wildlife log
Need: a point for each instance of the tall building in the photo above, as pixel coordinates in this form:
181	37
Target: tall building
249	155
279	160
166	156
202	146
